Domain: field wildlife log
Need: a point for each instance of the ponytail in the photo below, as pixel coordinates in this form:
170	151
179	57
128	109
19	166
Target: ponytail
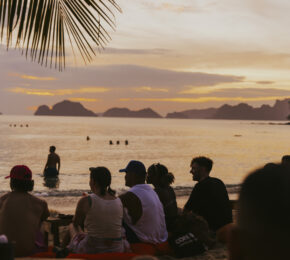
111	191
170	178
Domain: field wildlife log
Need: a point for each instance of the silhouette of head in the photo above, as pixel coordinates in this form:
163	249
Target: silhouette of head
158	175
286	160
135	173
52	149
200	168
101	177
21	178
263	225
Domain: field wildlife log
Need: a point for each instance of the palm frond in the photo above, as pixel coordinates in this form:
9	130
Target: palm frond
43	28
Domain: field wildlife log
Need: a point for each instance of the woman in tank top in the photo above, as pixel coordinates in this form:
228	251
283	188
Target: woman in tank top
97	223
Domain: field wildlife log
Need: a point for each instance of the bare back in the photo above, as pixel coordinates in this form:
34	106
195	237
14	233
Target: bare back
21	215
53	160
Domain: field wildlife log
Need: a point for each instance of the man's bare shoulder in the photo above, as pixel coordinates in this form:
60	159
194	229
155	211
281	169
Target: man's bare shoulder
37	200
4	197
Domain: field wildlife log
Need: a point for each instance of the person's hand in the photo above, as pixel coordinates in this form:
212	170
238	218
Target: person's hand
85	194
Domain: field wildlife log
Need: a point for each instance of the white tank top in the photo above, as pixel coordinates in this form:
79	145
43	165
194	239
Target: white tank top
151	227
104	219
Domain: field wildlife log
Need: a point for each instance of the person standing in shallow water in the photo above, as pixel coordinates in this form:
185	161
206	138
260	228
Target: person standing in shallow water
209	197
52	166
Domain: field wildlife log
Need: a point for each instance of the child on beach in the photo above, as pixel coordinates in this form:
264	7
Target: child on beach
97	223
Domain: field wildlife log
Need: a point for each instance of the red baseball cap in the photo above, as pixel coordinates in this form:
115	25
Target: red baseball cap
20	172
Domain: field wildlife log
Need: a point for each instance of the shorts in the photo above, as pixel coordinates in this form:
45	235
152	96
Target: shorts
82	243
50	173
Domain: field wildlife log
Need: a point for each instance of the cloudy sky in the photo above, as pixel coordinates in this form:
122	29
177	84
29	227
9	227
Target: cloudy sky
168	55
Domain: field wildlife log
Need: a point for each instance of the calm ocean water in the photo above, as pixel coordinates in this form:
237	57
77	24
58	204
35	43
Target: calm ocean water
236	147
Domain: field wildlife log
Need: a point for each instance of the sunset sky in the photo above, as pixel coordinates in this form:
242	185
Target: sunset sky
170	55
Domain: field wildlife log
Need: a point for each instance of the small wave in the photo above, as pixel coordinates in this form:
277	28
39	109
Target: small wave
180	191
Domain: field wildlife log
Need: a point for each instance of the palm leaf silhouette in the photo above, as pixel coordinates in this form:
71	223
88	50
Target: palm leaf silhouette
43	28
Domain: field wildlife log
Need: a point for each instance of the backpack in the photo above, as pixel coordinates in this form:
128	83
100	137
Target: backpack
186	244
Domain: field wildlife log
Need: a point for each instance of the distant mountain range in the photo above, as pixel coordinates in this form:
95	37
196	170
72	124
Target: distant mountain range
279	111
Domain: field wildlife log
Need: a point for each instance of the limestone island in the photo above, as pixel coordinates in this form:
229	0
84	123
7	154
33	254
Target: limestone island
125	112
64	108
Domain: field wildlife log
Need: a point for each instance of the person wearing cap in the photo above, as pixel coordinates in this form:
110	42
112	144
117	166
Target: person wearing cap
144	219
52	166
209	197
21	213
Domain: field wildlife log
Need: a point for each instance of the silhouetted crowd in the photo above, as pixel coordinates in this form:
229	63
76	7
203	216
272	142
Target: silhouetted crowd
104	222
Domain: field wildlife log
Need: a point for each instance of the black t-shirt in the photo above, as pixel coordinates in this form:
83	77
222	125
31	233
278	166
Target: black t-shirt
209	199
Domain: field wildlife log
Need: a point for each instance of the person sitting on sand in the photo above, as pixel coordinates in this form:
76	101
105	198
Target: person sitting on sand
21	213
97	223
144	219
209	197
262	228
52	166
160	178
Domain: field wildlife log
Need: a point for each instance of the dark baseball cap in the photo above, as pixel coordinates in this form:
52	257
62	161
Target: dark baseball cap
20	172
135	166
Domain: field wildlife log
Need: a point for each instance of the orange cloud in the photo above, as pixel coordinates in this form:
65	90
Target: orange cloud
32	108
125	99
197	90
210	99
23	76
150	89
58	92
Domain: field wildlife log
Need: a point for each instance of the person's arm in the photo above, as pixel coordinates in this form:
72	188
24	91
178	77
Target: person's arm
222	206
188	205
133	204
81	212
46	164
58	163
45	213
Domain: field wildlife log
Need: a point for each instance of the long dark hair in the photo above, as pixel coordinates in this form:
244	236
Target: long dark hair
102	177
160	172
